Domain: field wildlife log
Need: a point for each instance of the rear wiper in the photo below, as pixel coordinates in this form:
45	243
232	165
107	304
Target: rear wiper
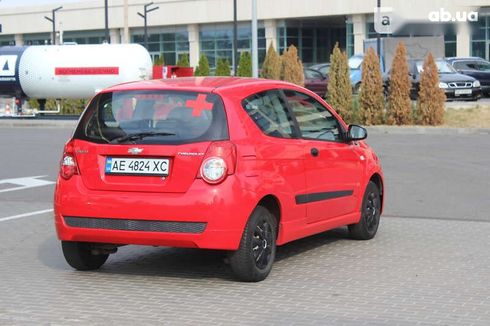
140	135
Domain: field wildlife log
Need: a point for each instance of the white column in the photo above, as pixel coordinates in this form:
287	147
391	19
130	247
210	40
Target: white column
270	33
19	39
115	36
359	30
193	31
463	42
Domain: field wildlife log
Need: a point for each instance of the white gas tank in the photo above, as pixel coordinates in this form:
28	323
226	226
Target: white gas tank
80	71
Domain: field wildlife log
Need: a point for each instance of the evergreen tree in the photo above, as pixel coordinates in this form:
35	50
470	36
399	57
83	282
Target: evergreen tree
203	68
292	68
399	110
245	65
223	67
183	60
271	68
159	61
371	99
430	105
339	90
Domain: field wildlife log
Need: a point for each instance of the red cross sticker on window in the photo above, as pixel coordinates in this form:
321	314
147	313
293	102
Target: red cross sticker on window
198	105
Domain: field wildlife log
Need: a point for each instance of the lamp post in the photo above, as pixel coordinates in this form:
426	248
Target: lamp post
255	52
378	36
53	21
106	12
144	16
235	39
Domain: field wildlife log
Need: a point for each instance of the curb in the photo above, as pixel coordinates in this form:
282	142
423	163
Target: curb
374	130
424	130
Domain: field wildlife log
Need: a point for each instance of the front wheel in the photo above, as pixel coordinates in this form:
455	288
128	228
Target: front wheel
79	255
253	260
367	226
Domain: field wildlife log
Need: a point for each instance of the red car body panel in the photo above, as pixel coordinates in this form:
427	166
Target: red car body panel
266	167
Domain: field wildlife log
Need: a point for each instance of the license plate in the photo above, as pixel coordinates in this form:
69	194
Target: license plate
462	92
137	166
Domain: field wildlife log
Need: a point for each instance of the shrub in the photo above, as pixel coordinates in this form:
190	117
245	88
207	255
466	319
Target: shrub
223	67
291	67
430	105
339	91
203	68
245	65
183	60
399	110
159	61
271	68
371	99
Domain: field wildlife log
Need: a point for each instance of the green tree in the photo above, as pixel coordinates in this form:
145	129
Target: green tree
159	61
183	60
399	109
245	65
291	67
371	99
339	91
430	105
271	68
223	67
203	68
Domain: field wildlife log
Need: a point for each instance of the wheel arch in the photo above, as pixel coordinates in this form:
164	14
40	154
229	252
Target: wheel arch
273	204
378	180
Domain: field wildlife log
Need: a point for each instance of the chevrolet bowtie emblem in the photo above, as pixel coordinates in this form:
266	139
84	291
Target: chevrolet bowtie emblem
135	150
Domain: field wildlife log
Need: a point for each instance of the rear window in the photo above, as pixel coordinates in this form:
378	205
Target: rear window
153	117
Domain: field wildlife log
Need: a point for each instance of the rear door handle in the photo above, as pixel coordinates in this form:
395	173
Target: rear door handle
314	152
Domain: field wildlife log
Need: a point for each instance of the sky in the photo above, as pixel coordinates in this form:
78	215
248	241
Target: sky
19	3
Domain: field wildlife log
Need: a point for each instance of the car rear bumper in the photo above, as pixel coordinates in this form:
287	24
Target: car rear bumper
211	217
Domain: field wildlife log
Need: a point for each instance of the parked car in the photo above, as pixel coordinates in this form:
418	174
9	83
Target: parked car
223	163
316	82
355	74
474	67
323	68
455	85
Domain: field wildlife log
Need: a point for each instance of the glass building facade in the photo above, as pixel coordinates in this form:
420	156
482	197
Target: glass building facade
480	37
169	42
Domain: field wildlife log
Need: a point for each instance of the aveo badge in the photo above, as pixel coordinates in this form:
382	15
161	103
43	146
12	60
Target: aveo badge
7	65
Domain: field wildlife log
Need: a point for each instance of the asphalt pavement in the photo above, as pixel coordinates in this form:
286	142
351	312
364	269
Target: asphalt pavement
428	264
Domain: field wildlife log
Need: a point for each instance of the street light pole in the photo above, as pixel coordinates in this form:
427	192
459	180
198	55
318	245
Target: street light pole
106	6
144	16
255	52
235	38
378	36
53	21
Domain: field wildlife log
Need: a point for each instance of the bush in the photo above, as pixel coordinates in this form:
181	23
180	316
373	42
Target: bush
271	68
203	68
183	60
399	110
245	65
430	105
291	67
371	98
68	106
223	67
339	91
159	61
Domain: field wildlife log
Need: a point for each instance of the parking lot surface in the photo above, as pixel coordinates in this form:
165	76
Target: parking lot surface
428	264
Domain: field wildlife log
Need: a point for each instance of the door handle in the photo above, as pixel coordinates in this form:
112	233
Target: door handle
314	152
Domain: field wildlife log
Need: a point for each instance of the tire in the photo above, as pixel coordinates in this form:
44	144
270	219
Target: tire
367	226
253	260
79	256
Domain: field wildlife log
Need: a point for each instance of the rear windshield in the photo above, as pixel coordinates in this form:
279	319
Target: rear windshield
153	117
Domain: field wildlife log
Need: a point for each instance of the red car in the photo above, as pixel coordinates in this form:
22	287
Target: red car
218	163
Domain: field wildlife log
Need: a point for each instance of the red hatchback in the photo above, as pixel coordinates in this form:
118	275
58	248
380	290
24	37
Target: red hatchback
219	163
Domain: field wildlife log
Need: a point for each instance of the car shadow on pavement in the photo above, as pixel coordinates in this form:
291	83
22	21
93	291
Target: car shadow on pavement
180	262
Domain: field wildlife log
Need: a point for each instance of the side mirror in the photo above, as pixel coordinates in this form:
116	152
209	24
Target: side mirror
356	132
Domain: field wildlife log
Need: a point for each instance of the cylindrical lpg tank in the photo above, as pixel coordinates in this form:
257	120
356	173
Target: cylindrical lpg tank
77	71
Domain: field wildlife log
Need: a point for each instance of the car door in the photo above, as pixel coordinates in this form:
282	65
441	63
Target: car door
333	167
315	82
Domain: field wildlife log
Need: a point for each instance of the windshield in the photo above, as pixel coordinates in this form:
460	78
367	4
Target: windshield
153	117
442	67
355	62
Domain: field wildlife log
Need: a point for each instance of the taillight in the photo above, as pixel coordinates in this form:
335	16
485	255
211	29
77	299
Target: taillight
219	162
68	166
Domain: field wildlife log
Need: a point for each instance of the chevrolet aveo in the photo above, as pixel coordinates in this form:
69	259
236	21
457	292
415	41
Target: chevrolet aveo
235	164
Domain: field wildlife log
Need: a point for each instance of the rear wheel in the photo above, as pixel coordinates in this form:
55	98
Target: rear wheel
79	255
367	226
253	260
